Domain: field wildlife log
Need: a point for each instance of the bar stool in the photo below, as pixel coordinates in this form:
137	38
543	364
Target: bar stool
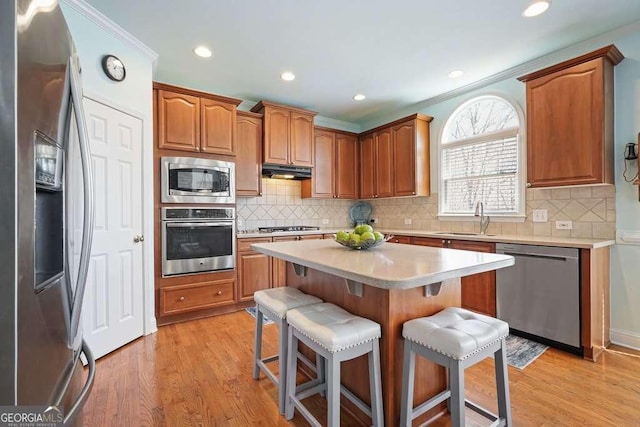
456	339
274	304
337	336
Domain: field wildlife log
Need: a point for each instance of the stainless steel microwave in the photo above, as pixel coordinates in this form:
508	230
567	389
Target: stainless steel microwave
197	180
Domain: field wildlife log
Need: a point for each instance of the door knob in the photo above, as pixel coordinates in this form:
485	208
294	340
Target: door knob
138	239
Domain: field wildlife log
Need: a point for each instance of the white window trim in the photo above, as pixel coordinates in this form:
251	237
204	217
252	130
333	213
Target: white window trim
520	216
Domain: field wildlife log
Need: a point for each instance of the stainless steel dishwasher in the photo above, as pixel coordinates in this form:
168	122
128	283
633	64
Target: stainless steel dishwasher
539	296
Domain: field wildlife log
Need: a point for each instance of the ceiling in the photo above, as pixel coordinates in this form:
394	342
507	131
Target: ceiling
396	53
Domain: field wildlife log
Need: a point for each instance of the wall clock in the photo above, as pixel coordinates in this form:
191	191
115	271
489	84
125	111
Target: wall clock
113	68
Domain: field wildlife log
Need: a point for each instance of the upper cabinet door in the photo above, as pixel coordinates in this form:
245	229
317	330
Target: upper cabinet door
249	156
276	135
570	121
367	167
301	139
178	121
346	179
323	178
218	127
404	159
384	163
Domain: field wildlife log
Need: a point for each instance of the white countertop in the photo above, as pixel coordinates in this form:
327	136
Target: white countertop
564	242
389	266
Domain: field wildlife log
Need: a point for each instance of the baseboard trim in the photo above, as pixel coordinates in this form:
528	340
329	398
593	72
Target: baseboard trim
625	338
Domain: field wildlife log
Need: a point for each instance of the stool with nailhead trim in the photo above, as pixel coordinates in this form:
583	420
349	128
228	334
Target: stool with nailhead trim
337	336
456	339
274	304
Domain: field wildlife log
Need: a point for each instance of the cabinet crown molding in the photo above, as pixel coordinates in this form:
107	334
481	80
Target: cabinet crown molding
261	104
611	53
193	92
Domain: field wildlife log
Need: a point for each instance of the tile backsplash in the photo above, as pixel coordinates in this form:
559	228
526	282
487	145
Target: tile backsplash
591	210
281	204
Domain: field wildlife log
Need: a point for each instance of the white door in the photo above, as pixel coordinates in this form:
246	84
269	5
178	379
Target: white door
113	310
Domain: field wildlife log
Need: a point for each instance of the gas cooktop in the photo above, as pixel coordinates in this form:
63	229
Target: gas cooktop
287	228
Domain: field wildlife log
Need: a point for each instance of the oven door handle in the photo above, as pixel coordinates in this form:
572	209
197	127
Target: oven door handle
175	224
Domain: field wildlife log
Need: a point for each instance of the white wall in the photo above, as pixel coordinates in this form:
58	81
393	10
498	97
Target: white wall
93	39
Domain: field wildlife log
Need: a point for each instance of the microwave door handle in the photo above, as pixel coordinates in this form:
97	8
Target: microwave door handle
87	176
177	224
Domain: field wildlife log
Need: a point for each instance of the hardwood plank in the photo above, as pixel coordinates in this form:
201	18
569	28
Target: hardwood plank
199	373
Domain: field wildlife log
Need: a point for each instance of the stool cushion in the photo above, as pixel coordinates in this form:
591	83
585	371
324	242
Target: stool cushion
332	327
455	332
280	300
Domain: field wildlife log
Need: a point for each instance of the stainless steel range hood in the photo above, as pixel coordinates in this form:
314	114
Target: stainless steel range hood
285	172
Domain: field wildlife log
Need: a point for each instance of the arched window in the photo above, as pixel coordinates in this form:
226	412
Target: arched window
480	159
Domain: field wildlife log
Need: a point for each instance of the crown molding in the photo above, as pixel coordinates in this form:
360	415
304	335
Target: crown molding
111	27
328	122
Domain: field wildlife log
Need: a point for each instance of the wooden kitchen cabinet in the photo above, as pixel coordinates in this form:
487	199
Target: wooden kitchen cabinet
287	134
394	159
335	174
249	154
254	269
478	290
570	121
189	120
279	266
376	163
198	296
400	239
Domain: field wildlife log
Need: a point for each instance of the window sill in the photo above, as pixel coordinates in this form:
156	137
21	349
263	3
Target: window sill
473	218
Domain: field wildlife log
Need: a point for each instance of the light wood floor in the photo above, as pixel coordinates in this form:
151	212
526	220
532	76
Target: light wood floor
199	374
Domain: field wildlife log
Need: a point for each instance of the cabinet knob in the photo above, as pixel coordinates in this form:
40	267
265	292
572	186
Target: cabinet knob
413	192
528	184
181	299
197	148
138	239
219	293
448	242
444	242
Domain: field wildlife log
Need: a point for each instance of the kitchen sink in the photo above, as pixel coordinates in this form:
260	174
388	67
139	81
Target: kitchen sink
462	233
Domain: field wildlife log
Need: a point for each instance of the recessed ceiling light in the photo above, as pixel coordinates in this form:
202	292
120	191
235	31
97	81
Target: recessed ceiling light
536	8
287	76
202	51
455	74
359	97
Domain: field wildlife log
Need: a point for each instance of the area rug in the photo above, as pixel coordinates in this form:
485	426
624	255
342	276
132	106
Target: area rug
252	312
521	352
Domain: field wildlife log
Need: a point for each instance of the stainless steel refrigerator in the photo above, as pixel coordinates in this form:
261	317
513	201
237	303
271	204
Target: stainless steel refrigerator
41	283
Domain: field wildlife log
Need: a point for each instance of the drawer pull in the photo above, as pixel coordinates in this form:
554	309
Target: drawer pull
181	299
219	293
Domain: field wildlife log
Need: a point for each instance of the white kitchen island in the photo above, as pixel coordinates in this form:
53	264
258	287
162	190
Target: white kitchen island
389	284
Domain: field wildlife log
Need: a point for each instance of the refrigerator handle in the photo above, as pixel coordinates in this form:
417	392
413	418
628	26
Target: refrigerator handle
87	175
84	393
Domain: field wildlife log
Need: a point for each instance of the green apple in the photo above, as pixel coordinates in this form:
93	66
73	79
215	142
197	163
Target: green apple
378	235
342	236
368	237
363	228
354	239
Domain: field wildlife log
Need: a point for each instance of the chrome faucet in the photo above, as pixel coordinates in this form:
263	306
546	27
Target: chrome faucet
484	220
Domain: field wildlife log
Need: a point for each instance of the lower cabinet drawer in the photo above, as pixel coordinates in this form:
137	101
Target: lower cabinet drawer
198	296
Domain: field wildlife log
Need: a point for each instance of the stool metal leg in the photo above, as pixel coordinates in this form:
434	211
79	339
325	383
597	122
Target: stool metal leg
456	386
502	383
375	385
333	391
408	373
258	343
282	364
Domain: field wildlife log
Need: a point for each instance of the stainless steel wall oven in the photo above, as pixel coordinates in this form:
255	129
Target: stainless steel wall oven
197	180
196	240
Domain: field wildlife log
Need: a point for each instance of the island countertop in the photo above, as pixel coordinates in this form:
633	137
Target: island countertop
389	266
